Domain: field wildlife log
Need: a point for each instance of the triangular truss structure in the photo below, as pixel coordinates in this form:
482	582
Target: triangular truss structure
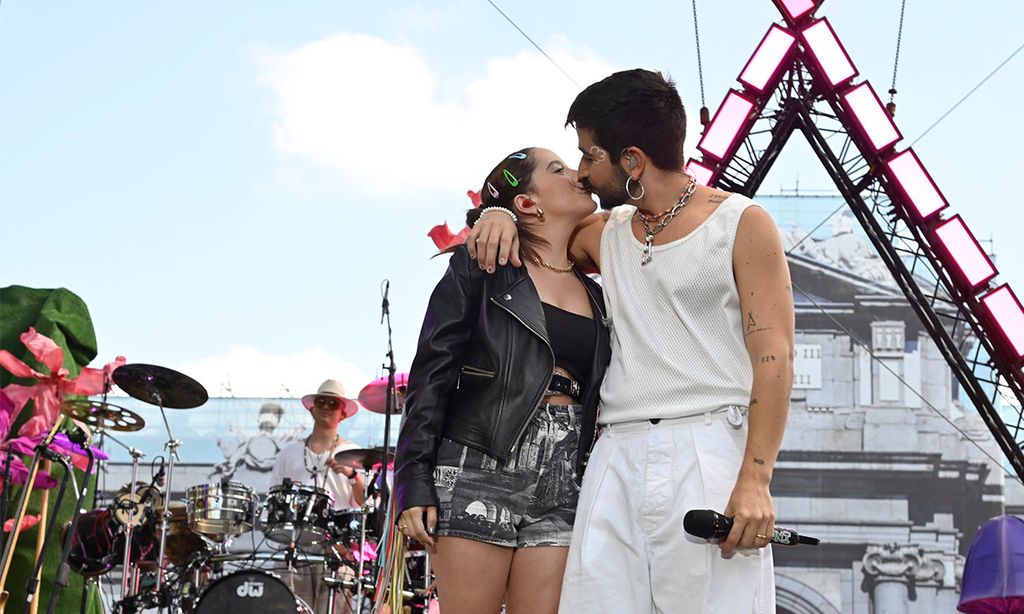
800	78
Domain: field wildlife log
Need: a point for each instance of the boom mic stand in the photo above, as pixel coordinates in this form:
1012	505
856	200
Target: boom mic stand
385	491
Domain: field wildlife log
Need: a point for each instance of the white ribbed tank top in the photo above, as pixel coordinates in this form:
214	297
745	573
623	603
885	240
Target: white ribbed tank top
677	330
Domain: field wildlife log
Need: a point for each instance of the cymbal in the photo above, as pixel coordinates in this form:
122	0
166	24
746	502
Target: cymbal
364	458
103	415
160	386
374	397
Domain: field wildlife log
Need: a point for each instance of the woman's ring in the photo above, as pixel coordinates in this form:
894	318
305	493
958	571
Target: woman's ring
759	536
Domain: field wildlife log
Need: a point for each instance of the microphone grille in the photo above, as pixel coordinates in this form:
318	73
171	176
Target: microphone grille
700	523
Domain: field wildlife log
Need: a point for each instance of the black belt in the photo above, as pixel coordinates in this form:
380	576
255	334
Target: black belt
564	385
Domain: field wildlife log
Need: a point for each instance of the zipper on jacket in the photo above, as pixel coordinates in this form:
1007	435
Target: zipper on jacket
522	430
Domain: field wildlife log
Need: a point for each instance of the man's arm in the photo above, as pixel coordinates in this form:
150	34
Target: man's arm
495	240
585	243
766	300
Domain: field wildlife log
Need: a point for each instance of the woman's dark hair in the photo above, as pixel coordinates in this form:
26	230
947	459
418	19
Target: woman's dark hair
634	108
511	177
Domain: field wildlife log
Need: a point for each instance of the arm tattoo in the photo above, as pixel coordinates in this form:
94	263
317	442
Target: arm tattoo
758	461
752	325
717	198
767	359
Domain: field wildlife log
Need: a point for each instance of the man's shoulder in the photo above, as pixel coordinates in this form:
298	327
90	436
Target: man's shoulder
292	447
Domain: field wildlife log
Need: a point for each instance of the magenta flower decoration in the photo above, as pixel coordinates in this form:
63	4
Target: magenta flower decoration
50	388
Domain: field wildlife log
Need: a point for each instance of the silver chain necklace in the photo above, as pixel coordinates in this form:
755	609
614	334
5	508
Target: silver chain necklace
649	232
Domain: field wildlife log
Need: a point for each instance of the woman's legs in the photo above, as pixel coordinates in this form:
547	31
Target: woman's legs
535	581
471	575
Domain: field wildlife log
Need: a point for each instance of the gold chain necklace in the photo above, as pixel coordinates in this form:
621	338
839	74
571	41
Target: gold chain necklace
552	267
649	232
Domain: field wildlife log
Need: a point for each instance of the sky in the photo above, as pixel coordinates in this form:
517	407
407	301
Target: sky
227	184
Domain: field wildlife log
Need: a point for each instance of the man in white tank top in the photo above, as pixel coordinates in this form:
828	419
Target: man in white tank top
695	400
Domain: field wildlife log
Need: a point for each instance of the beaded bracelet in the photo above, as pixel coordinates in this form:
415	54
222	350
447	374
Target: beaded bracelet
515	219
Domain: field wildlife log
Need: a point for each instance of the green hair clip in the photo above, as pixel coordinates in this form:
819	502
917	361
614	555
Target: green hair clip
510	178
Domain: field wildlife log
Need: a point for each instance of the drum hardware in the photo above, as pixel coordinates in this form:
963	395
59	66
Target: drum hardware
164	388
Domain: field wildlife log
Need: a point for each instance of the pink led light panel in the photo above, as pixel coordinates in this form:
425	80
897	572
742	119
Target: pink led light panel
874	120
965	251
1007	312
924	197
767	58
796	8
725	127
829	52
700	172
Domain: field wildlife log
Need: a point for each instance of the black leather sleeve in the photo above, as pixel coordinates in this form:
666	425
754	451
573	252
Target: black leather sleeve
447	327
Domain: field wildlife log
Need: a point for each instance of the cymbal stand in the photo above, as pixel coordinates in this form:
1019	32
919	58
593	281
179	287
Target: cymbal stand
130	529
368	486
172	446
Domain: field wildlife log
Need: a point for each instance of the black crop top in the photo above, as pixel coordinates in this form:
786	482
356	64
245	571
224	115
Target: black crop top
573	338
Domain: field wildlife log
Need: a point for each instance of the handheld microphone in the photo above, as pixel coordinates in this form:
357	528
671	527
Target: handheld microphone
709	524
384	304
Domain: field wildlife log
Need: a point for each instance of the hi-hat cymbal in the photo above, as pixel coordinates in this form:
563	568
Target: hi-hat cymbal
364	458
103	415
374	396
160	386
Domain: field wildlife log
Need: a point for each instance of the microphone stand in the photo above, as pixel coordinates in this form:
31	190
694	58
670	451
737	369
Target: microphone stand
385	491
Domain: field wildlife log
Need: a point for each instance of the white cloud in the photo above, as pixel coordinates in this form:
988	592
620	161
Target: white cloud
246	372
375	111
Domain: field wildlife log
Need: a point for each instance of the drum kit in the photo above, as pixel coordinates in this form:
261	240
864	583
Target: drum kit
179	557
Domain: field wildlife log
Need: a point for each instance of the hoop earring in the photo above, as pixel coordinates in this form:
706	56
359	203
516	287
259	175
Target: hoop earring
540	214
642	190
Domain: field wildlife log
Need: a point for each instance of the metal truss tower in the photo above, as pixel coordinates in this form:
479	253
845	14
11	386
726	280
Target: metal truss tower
801	79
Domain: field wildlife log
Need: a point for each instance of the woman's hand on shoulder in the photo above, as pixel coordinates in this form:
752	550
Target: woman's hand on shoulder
494	240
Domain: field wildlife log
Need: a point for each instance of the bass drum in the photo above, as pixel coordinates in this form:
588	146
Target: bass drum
250	591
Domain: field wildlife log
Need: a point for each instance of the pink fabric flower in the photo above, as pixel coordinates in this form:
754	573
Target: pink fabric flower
443	237
50	389
27	522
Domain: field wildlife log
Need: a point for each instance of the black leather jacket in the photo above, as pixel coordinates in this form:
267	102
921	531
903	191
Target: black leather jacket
482	366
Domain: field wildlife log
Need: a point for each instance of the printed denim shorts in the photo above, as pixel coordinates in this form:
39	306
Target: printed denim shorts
528	501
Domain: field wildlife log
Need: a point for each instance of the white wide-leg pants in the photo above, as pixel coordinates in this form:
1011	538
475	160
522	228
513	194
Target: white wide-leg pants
629	553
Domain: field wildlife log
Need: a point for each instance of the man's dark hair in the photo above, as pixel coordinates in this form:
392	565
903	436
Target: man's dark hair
634	108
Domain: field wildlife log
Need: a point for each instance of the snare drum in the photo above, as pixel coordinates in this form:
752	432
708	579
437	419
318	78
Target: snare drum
286	507
250	591
221	509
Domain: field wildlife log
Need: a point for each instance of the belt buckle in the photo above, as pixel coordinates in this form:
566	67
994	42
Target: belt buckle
574	389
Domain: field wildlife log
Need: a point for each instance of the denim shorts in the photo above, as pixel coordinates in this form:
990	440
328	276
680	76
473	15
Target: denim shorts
528	501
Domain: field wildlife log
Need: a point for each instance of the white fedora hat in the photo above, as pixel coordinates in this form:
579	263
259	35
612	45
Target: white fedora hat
332	389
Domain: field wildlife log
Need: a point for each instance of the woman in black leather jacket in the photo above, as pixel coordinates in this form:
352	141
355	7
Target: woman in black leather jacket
502	400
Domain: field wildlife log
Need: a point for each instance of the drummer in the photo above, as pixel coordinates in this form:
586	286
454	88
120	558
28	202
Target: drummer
311	460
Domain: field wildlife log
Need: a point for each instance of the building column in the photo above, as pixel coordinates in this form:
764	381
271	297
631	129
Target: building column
891	573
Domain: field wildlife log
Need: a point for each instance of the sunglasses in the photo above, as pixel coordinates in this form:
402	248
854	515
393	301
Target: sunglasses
324	403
